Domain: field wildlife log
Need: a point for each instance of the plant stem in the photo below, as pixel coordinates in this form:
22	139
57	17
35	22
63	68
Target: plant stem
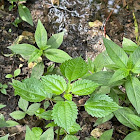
58	133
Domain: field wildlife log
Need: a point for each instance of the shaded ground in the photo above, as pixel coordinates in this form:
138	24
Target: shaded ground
72	16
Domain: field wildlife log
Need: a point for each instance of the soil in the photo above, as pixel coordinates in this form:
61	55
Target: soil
71	16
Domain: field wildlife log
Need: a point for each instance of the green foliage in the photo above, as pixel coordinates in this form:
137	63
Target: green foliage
16	73
4	137
107	135
100	105
64	114
133	136
31	53
3	88
70	137
74	69
23	104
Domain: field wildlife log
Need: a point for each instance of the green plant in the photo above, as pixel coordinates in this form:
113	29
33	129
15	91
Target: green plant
48	48
64	112
23	11
23	104
3	88
16	73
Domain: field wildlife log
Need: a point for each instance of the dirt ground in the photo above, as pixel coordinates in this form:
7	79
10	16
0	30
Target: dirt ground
71	16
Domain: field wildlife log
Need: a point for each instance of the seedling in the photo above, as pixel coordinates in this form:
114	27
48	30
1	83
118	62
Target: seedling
16	73
3	88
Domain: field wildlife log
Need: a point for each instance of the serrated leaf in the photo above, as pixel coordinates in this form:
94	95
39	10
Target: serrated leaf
56	55
132	87
25	50
136	55
104	119
70	137
64	114
74	128
17	115
55	84
128	45
133	136
74	68
117	54
33	108
17	72
83	87
40	35
56	40
4	137
100	105
2	106
30	89
122	116
23	104
35	55
25	14
107	135
29	134
135	119
119	75
48	134
38	70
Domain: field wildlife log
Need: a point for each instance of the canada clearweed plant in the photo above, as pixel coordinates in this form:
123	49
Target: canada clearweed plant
111	83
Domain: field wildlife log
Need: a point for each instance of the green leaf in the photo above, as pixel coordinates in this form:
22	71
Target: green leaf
30	89
17	72
64	114
46	104
90	138
40	35
3	123
4	137
128	45
135	119
37	132
33	108
100	105
48	134
132	87
3	91
74	128
25	14
38	70
29	134
103	119
119	75
136	55
56	40
102	77
133	136
25	50
51	124
68	97
70	137
117	54
46	115
113	94
54	84
11	123
107	135
2	106
35	55
56	55
9	76
122	116
23	104
74	68
83	87
17	115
